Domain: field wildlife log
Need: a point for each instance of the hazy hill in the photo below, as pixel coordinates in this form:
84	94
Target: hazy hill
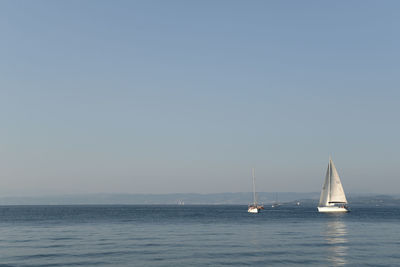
219	198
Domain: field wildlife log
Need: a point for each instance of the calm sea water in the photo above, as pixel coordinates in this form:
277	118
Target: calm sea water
197	236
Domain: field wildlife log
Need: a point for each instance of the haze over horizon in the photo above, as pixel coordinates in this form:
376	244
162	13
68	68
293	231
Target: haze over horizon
186	97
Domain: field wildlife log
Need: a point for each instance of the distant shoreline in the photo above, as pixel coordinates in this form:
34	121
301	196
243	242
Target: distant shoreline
240	198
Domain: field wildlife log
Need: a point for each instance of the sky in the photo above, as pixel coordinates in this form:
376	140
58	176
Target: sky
188	96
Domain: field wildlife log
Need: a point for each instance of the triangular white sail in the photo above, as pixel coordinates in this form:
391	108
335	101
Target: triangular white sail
332	190
324	199
336	189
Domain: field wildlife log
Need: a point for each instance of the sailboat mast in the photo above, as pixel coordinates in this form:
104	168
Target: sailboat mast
254	186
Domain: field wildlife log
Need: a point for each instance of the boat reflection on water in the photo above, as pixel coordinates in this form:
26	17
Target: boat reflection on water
336	237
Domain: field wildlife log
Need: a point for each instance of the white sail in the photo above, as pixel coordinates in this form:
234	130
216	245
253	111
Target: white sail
332	190
336	189
324	199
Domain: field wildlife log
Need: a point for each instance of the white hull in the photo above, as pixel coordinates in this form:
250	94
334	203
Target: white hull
333	209
252	210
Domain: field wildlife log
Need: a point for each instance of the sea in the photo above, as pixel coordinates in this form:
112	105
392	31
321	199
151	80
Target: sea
197	235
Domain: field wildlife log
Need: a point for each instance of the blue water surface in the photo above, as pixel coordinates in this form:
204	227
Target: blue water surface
195	235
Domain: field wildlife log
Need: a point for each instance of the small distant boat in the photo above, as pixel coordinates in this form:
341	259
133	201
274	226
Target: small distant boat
332	197
254	207
276	204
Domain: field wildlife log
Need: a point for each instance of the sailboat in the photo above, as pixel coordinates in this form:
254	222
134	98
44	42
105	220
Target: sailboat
275	204
254	207
332	197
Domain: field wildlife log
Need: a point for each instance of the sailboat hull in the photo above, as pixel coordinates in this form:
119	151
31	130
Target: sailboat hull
252	210
333	209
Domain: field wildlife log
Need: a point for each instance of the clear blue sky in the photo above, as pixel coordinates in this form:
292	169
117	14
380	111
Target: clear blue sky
188	96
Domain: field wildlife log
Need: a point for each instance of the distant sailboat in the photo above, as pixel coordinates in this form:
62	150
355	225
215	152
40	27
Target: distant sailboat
332	197
254	207
275	204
